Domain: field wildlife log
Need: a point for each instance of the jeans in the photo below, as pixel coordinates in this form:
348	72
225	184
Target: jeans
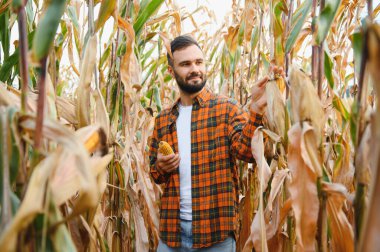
228	245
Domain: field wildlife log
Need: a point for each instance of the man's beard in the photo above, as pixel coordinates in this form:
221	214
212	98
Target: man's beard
190	88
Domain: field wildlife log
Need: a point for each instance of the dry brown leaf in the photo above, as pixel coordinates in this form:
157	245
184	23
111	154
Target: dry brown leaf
249	19
83	104
363	157
142	242
101	114
66	109
70	48
303	188
231	38
278	180
166	41
275	108
341	229
306	105
11	97
369	238
264	171
130	69
257	238
50	98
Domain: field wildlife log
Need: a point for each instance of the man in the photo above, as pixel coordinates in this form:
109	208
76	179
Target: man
208	133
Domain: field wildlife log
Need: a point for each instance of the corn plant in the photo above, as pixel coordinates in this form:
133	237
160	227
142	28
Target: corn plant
79	92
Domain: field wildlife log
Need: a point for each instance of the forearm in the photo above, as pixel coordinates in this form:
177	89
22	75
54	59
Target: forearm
242	132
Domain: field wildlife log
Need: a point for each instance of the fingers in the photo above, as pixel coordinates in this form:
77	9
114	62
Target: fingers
261	82
277	70
167	164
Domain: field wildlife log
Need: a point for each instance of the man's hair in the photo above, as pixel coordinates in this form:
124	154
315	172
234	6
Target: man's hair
179	43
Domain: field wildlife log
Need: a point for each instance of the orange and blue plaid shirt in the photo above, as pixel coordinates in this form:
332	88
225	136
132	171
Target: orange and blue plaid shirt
221	132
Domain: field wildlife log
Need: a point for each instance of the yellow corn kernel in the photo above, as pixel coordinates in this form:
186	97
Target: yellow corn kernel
164	148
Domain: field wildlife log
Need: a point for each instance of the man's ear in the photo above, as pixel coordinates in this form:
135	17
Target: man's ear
171	71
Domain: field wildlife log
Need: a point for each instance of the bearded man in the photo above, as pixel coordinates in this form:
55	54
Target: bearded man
208	133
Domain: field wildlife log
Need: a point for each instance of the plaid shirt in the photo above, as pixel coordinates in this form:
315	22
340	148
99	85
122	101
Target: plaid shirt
220	133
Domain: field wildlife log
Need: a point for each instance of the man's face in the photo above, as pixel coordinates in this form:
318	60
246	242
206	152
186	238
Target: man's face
189	69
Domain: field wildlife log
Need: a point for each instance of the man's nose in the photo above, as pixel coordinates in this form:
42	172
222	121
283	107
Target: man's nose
194	68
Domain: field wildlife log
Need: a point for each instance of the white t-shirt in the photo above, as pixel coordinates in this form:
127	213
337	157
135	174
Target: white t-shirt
184	148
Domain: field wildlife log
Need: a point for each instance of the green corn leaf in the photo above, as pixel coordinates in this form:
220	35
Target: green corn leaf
15	202
47	28
145	13
107	7
5	33
338	105
6	68
157	98
328	70
16	4
105	56
14	162
354	118
326	18
73	16
298	20
357	45
278	9
254	38
29	14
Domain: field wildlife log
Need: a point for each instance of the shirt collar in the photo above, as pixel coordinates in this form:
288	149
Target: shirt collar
201	99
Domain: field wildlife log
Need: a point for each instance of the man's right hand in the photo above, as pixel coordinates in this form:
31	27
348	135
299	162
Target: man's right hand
167	164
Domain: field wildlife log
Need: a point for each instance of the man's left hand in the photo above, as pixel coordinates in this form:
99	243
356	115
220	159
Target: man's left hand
259	99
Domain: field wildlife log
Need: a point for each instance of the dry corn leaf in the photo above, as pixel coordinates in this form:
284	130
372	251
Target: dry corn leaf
363	157
130	69
166	41
231	38
369	238
83	103
142	241
11	97
257	238
341	229
264	171
145	185
75	157
275	108
303	188
66	110
32	204
249	19
166	15
278	180
306	105
101	114
70	48
50	98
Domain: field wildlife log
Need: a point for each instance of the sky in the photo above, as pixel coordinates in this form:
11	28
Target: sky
219	7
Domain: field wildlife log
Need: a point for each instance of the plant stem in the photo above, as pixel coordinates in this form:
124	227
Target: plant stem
287	55
370	8
6	212
361	188
40	104
314	52
258	46
21	20
320	68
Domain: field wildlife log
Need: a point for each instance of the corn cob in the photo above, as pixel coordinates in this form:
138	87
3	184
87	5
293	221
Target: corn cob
164	148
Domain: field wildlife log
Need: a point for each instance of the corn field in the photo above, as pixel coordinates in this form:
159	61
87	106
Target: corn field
83	81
